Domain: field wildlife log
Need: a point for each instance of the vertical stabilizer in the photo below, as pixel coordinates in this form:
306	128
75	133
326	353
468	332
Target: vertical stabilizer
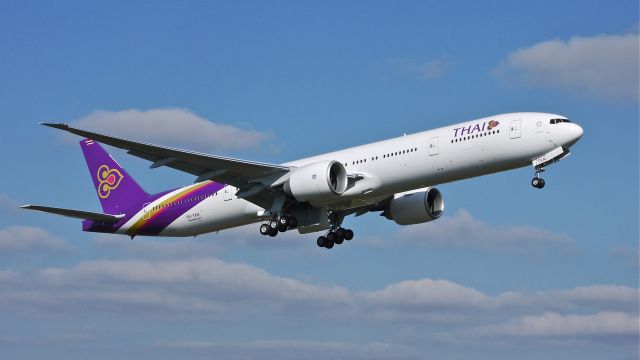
115	187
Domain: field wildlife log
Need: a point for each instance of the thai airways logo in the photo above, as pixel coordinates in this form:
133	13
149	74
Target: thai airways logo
477	128
108	179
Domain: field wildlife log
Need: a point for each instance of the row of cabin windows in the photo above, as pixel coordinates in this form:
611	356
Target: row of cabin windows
183	201
465	138
374	158
400	152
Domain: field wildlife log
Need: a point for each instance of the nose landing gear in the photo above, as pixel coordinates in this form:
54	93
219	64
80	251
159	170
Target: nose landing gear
537	181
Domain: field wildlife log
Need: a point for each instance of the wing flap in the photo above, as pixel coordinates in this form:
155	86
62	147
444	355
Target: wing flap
77	214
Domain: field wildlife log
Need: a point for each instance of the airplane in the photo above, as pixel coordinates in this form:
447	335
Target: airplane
394	177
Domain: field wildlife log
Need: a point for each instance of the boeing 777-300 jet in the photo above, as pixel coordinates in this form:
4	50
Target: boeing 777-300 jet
395	177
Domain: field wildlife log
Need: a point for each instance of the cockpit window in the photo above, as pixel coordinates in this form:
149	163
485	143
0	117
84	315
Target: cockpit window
558	121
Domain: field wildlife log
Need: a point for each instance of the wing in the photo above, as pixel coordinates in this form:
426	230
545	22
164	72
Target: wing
78	214
253	179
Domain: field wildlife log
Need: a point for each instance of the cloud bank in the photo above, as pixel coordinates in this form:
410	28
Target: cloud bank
603	66
175	127
462	230
29	239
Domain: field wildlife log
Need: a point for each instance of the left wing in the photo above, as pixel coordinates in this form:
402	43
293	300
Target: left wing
253	179
77	214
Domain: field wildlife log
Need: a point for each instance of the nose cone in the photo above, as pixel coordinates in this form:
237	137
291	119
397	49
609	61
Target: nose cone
574	133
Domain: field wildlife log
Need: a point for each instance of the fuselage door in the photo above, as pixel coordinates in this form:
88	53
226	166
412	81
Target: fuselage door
145	211
514	129
433	146
227	193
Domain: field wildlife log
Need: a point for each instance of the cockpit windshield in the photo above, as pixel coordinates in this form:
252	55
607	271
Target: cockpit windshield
558	121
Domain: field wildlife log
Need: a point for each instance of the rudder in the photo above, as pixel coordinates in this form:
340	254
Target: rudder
116	189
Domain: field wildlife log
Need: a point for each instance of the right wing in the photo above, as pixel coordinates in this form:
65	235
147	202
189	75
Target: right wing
78	214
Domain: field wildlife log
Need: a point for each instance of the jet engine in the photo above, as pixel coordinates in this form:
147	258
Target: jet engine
317	181
416	207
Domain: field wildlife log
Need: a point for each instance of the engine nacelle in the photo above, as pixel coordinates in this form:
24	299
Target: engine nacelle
416	208
317	181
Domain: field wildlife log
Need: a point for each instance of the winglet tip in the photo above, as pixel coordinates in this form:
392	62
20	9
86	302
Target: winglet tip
54	125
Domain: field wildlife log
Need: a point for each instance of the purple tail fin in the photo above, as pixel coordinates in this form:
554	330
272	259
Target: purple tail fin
116	189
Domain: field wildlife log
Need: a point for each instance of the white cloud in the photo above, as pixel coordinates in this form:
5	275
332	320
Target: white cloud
604	66
206	286
629	255
291	349
462	230
174	127
557	325
602	295
28	238
427	294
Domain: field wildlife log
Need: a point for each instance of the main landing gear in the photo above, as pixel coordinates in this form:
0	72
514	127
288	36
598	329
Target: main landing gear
335	237
281	224
537	181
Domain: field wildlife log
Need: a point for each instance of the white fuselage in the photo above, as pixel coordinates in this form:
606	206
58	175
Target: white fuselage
404	163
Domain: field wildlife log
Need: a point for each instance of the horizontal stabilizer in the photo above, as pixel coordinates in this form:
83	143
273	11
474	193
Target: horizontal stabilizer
78	214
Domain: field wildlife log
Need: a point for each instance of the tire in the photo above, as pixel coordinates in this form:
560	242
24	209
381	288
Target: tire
265	229
273	224
541	184
340	232
282	228
348	234
321	241
284	221
328	244
535	182
331	236
273	232
338	240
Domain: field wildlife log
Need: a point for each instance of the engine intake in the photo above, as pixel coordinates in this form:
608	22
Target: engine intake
317	181
416	208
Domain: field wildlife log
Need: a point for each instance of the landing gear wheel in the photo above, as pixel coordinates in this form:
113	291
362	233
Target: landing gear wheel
328	244
322	241
284	222
282	228
265	229
273	224
331	236
338	240
340	232
348	234
537	182
273	232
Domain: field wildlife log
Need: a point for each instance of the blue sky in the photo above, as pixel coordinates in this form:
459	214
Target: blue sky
510	271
